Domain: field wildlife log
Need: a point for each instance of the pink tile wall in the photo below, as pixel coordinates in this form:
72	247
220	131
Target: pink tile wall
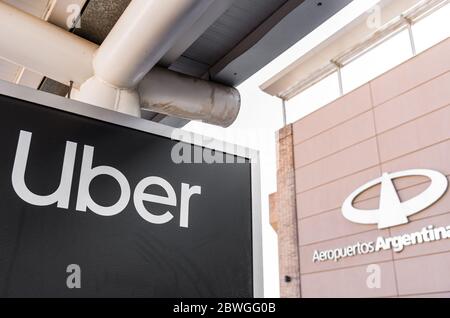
411	74
435	157
430	295
349	282
354	159
347	107
415	135
399	121
426	274
424	99
331	195
345	135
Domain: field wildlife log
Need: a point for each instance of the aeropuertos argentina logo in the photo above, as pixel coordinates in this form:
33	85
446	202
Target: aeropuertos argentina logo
391	212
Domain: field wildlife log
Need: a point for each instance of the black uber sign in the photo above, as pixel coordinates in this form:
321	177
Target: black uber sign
80	193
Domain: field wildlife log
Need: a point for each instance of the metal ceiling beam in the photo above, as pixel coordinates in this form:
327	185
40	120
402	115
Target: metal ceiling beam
214	11
273	37
251	39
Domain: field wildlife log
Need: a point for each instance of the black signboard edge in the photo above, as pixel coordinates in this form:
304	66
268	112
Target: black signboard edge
113	117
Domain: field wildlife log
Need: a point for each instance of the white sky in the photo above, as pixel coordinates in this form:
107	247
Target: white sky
261	116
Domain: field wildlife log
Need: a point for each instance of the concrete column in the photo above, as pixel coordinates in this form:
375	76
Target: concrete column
284	216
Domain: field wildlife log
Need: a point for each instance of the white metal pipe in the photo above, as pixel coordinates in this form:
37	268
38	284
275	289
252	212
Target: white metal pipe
340	81
143	34
283	109
411	38
96	92
171	93
64	57
43	47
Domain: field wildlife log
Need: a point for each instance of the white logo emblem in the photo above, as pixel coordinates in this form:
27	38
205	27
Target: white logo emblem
392	211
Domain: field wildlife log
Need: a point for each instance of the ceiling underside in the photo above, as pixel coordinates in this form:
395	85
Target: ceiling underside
242	40
250	35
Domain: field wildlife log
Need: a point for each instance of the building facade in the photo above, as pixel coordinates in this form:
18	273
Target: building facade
398	125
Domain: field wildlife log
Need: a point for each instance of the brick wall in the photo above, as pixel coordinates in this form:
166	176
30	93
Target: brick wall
284	216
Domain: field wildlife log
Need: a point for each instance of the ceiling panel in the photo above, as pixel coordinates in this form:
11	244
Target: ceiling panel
292	22
237	22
